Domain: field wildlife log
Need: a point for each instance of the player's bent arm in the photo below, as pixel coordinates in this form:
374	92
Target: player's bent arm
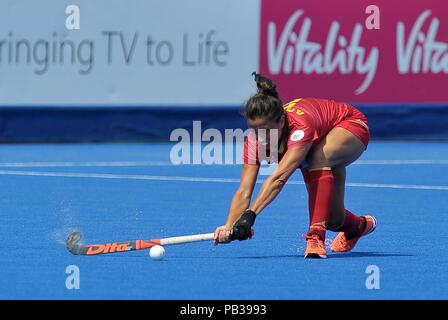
241	198
274	184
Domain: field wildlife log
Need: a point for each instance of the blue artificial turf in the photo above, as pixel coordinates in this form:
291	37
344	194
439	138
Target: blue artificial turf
37	212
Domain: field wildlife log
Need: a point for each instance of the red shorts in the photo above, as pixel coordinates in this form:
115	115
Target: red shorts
356	123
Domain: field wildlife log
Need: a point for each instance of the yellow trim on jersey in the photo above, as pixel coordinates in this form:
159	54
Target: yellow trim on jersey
292	107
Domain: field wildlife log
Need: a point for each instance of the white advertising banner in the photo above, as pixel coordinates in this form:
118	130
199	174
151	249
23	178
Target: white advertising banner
136	52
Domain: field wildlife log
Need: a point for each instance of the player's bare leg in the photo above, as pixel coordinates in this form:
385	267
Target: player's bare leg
338	149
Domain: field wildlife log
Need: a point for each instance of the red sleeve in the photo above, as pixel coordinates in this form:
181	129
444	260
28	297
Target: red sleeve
301	133
250	154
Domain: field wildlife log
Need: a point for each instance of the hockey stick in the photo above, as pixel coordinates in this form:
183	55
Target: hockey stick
93	249
76	248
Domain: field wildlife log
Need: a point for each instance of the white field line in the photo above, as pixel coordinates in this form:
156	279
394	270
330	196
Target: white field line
400	162
201	179
50	164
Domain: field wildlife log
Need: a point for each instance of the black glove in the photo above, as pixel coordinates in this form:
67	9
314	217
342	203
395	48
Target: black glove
242	229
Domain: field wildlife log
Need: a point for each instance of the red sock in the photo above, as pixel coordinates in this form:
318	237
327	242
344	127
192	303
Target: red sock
353	225
320	192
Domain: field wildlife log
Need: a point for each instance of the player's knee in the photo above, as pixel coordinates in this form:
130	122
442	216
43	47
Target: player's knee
317	159
314	160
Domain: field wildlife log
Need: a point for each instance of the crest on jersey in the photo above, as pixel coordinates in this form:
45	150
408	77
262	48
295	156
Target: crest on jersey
297	135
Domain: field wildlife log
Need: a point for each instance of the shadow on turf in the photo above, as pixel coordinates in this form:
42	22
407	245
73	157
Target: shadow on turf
289	256
333	255
367	254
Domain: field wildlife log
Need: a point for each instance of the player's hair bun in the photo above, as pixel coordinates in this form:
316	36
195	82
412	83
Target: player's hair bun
266	103
265	85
